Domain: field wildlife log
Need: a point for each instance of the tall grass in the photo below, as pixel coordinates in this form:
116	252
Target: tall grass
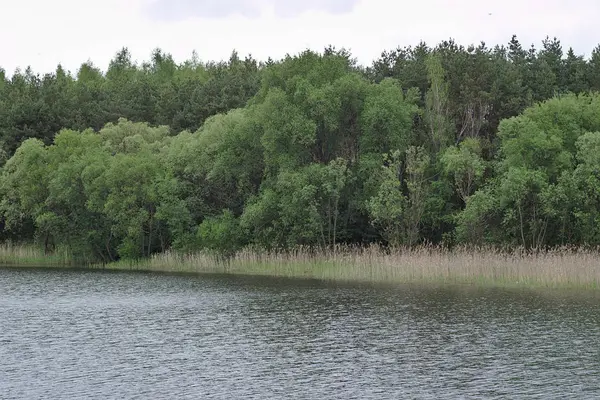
484	266
32	255
562	267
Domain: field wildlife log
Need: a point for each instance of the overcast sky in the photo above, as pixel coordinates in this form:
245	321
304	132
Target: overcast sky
43	33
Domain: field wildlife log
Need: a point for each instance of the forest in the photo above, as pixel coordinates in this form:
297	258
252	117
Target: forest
442	145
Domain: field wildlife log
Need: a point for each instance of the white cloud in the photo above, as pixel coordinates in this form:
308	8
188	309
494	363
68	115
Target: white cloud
42	34
177	10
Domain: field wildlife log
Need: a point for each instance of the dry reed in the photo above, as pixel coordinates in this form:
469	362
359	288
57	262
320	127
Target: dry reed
31	255
464	265
485	266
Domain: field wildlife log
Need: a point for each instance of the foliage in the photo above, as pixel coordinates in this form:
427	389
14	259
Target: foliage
545	185
439	144
465	165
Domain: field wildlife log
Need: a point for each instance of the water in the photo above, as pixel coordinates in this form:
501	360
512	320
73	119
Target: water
94	335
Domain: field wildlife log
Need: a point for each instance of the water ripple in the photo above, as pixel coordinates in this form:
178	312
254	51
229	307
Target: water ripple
91	335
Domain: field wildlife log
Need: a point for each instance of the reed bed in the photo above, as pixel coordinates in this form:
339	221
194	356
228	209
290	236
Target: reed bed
466	265
32	255
561	267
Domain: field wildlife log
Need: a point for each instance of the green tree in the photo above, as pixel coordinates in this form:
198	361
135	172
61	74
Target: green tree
538	196
388	206
436	111
465	165
575	73
593	70
399	212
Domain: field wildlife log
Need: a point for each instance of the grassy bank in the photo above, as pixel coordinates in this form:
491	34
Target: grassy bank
32	256
486	267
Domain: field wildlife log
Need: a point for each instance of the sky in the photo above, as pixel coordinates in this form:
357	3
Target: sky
44	33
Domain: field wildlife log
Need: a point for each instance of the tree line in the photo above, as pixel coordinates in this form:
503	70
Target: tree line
444	145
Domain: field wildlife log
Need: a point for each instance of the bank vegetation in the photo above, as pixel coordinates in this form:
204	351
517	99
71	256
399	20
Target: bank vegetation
465	149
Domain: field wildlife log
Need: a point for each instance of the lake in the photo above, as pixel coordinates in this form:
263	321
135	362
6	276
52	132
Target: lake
72	334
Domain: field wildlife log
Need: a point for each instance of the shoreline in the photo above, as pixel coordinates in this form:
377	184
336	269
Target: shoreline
471	267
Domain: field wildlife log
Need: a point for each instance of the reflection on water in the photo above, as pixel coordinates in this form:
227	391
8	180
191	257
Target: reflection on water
95	335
